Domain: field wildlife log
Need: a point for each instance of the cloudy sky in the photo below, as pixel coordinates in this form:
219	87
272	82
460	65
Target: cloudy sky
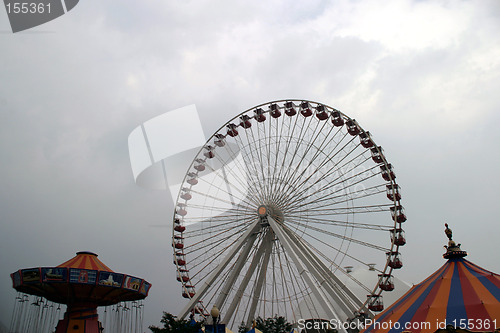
422	76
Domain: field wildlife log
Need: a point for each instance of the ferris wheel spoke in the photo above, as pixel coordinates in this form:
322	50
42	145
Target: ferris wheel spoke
368	174
337	198
343	293
274	180
201	243
264	154
203	247
220	267
332	203
335	265
289	167
243	196
252	165
243	204
230	216
347	224
307	184
223	225
343	297
233	158
308	273
343	210
295	177
222	213
275	154
336	235
337	249
302	159
334	182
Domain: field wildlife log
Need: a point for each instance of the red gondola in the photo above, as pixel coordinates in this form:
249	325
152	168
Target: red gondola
352	127
186	195
393	192
189	292
209	151
180	262
275	110
305	109
375	303
398	236
183	278
192	180
179	228
337	119
200	164
386	282
290	109
179	246
181	209
259	115
198	309
231	130
387	172
398	213
394	259
366	140
245	121
377	155
220	140
321	112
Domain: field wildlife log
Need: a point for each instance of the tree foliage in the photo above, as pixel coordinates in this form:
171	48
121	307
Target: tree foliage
276	324
172	324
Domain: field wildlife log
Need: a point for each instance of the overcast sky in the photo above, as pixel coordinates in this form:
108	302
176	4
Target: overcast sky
422	76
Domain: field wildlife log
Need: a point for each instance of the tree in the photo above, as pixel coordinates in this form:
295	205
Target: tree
172	324
270	325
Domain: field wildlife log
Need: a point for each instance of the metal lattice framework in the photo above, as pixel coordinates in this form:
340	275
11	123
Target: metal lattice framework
276	203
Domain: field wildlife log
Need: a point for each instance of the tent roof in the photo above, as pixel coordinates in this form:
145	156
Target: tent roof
459	290
85	260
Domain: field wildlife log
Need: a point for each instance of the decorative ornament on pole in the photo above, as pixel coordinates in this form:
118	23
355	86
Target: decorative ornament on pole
452	249
215	317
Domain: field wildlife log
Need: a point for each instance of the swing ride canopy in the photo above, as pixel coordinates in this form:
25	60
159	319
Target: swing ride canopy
82	279
460	294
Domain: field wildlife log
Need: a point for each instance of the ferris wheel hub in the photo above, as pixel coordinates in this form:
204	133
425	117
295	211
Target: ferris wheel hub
270	210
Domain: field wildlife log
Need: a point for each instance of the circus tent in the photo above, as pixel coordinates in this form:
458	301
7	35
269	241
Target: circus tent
460	294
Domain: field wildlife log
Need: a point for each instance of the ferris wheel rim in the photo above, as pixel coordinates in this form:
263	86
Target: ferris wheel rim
394	248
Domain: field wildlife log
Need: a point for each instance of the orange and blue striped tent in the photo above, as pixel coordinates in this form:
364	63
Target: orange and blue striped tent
459	293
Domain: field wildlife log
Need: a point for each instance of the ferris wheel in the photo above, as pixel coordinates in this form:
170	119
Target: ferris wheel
275	205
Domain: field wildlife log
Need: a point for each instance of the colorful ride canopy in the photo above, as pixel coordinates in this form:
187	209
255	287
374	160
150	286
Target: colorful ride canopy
83	278
460	294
